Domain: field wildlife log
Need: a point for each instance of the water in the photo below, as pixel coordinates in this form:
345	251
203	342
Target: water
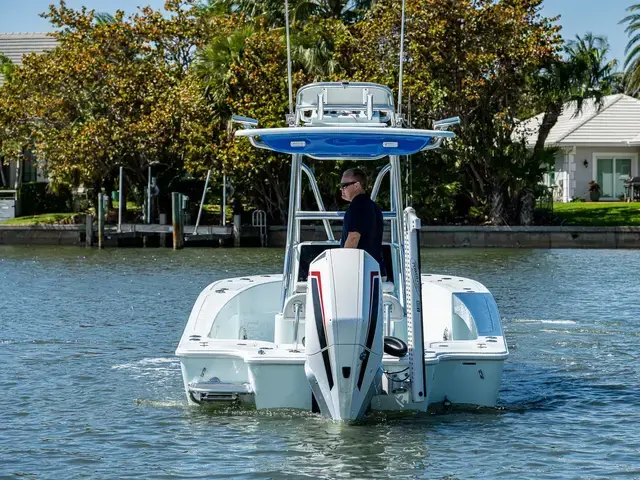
89	386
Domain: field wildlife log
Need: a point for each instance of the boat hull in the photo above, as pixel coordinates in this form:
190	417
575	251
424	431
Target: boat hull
477	382
223	365
275	385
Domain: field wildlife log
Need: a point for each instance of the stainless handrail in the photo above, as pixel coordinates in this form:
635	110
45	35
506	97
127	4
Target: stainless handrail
379	178
311	215
246	122
291	224
316	193
446	123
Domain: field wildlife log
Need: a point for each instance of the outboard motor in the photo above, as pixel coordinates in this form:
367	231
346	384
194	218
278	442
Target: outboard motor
343	331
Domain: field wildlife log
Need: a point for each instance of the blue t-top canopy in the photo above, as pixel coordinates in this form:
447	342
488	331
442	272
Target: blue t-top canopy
344	142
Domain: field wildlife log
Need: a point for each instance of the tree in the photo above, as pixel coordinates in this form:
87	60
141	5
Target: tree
584	74
115	92
214	62
254	75
6	67
466	58
161	88
632	50
6	70
243	69
273	11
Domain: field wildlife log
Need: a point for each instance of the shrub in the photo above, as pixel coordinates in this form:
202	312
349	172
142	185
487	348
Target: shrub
37	198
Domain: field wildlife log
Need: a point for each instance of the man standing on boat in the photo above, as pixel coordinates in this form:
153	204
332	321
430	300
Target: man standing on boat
363	225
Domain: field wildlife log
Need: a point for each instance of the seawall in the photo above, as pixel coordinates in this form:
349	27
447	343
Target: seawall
431	236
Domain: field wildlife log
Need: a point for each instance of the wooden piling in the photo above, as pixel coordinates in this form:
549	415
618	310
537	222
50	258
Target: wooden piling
88	230
100	220
163	236
177	220
237	230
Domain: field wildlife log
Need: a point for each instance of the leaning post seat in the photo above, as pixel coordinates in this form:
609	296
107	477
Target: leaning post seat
340	103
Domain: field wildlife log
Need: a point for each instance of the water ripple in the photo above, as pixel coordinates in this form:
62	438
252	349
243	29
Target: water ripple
90	387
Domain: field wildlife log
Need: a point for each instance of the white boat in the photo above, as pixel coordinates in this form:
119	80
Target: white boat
330	334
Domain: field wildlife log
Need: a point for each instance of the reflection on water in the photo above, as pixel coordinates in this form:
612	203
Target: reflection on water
90	387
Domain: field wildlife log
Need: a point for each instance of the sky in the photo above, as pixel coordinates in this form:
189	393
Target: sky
576	16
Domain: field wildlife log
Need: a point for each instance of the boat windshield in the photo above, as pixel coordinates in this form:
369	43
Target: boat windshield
248	315
479	309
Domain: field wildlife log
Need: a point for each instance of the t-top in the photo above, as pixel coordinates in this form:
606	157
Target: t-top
365	217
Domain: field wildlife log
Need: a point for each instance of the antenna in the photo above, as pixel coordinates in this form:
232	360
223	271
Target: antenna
401	61
286	13
409	177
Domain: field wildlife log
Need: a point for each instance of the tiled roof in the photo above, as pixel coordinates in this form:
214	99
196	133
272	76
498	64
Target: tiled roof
616	122
15	45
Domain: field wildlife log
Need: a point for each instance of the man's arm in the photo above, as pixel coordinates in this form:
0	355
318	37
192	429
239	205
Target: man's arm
352	240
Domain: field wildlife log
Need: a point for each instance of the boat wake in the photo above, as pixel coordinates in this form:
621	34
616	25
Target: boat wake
151	366
146	402
544	322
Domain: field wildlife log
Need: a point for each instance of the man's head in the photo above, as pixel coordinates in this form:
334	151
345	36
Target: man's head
354	182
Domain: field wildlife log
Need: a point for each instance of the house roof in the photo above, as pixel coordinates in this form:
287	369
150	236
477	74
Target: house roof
615	123
15	45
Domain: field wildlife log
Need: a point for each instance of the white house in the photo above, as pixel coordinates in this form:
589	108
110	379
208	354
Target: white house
600	144
15	46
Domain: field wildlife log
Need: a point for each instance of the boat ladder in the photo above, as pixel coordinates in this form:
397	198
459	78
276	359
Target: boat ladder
259	219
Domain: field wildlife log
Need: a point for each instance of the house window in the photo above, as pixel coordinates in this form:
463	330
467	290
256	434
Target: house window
29	171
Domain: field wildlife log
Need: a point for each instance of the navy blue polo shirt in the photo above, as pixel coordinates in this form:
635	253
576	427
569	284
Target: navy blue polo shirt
365	217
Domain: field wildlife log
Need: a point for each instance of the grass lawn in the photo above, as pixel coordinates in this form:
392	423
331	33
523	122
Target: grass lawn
597	214
44	219
216	209
131	206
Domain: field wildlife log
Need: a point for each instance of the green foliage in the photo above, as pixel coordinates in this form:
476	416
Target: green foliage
632	50
584	74
38	198
160	89
115	91
272	12
6	67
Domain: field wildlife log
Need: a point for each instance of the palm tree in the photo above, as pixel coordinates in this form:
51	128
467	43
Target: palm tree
273	11
310	52
349	11
103	18
595	75
632	50
585	74
213	64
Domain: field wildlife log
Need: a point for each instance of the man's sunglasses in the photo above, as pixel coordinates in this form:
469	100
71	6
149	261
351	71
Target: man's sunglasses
346	184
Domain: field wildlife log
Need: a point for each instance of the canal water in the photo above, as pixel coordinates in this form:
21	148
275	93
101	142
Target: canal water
90	387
